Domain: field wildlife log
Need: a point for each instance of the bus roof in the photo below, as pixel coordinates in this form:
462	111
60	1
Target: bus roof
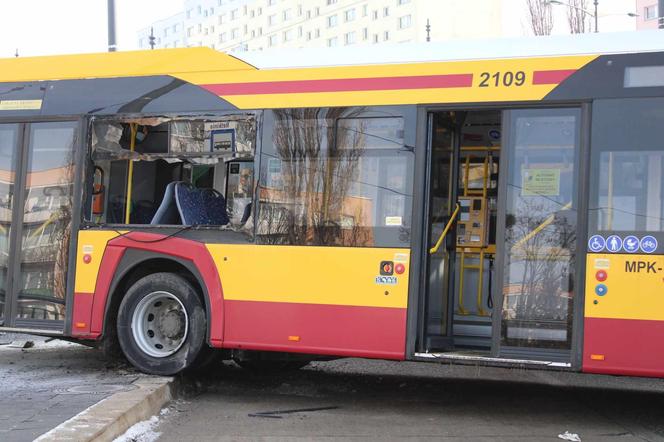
457	50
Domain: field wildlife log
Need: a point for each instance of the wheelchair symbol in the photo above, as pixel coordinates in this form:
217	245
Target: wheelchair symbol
596	243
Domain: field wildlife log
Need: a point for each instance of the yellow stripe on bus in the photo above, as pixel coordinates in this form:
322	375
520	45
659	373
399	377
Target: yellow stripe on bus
92	243
634	286
312	275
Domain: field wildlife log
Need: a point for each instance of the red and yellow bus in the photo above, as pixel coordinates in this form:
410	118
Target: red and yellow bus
495	203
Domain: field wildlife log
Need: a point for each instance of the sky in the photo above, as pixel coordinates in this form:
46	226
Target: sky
46	27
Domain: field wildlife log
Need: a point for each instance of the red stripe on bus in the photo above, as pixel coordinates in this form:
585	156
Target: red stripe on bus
371	332
82	315
623	346
343	85
552	77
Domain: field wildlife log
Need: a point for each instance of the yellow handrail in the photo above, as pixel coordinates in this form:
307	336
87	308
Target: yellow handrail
435	248
539	228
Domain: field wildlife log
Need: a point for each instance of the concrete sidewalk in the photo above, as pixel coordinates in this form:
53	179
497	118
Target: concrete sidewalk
43	386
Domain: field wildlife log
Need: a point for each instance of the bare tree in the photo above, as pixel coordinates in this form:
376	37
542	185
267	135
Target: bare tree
576	16
541	18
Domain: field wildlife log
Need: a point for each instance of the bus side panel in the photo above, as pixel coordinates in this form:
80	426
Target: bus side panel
624	315
322	300
92	251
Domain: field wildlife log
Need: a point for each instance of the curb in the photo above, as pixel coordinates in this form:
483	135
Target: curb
112	416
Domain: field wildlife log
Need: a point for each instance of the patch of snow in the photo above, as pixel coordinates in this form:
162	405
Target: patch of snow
143	431
573	437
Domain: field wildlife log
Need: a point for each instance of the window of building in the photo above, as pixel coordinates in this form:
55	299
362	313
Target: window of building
299	31
189	12
386	11
405	22
317	11
375	38
205	13
650	12
288	35
331	42
287	14
317	33
259	11
365	33
235	33
199	9
244	10
402	2
386	35
222	37
308	35
365	10
337	180
374	15
308	14
222	19
272	40
332	21
190	31
349	38
299	10
271	2
252	14
165	32
349	15
200	28
260	31
234	14
272	19
331	2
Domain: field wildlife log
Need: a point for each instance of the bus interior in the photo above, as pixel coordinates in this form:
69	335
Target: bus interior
173	171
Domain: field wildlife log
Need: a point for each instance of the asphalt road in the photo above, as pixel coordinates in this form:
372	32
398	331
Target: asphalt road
378	400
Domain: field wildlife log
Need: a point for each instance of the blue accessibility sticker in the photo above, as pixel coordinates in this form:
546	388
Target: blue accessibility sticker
596	243
614	244
631	244
601	289
648	244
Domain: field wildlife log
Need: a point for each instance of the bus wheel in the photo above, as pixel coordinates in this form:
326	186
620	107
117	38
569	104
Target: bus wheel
162	325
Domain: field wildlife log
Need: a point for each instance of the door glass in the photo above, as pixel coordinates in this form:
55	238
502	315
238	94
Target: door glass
8	137
441	208
46	221
540	228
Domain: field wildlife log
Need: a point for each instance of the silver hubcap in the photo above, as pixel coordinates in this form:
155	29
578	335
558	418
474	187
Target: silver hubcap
160	324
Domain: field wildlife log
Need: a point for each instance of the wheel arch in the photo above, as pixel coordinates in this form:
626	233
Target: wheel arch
136	264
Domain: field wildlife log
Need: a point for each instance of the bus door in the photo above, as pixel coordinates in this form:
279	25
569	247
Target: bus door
537	235
443	148
36	214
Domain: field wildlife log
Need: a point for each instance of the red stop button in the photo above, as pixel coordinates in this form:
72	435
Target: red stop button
399	269
601	275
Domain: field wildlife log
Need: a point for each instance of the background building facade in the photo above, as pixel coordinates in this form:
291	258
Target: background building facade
239	25
648	14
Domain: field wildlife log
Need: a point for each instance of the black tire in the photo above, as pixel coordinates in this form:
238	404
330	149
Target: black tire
184	321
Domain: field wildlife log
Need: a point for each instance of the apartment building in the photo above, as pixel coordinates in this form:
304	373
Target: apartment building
648	14
232	25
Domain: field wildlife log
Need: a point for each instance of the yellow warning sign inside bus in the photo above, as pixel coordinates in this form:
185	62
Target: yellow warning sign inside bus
540	182
20	104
